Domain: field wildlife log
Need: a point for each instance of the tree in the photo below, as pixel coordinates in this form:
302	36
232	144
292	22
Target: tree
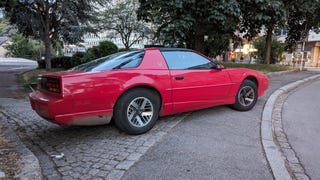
121	18
276	49
53	20
303	16
192	24
8	5
21	47
262	14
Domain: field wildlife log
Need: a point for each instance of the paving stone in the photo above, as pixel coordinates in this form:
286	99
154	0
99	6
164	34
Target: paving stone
67	178
113	163
115	174
103	174
107	167
284	144
53	177
125	165
98	165
296	168
142	150
302	177
93	172
290	155
89	152
65	168
134	157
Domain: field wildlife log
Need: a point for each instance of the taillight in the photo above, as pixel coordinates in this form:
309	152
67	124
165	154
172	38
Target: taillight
50	84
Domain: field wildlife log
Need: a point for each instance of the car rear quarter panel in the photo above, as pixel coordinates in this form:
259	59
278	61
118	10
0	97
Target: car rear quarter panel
101	90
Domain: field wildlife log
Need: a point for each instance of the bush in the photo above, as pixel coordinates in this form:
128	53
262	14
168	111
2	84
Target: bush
104	48
21	47
41	64
76	59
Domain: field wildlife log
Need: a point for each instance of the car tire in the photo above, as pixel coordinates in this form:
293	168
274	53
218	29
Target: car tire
246	97
137	111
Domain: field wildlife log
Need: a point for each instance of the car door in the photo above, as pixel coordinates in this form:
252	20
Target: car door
196	83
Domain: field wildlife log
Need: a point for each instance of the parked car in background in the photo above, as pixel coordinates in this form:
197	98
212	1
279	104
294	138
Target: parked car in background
136	87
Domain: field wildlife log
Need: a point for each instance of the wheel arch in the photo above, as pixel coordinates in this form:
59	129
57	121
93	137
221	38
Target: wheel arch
148	87
253	79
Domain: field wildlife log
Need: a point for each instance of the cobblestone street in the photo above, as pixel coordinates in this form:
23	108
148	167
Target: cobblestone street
87	152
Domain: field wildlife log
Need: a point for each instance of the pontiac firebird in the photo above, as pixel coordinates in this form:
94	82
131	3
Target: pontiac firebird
135	87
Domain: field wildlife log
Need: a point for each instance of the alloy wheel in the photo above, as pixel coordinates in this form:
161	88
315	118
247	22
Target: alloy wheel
140	112
246	96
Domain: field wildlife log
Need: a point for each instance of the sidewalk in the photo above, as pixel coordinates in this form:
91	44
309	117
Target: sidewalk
290	129
301	112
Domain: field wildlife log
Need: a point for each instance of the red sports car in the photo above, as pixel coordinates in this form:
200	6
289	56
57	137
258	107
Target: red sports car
136	87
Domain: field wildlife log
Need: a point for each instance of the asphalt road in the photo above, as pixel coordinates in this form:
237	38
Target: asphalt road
216	143
301	123
9	68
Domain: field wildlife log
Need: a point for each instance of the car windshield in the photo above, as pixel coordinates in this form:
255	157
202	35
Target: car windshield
121	60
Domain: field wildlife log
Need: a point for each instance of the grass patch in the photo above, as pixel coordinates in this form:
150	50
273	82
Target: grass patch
265	68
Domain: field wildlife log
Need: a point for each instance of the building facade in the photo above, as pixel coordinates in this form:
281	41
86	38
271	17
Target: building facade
308	53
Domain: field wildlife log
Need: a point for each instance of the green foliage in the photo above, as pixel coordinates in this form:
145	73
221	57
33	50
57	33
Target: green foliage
53	20
277	49
262	13
259	67
8	5
2	26
256	14
121	18
185	23
58	19
21	47
104	48
303	16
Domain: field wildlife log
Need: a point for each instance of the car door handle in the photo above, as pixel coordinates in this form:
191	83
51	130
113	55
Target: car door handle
179	77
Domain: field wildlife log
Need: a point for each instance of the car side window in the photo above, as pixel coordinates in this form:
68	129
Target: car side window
186	60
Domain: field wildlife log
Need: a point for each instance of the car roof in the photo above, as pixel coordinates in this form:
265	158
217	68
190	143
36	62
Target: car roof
170	49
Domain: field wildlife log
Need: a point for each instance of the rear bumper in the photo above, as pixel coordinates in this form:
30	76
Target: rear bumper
43	104
59	111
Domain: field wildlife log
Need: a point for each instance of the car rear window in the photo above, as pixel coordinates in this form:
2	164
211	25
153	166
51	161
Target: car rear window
121	60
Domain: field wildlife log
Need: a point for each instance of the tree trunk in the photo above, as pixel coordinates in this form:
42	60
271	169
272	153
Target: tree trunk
268	45
199	41
47	40
48	52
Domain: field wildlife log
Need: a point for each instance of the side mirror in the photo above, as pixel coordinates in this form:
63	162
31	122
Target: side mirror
219	67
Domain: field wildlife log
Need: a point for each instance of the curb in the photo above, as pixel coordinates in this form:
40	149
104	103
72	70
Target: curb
281	72
30	167
274	154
